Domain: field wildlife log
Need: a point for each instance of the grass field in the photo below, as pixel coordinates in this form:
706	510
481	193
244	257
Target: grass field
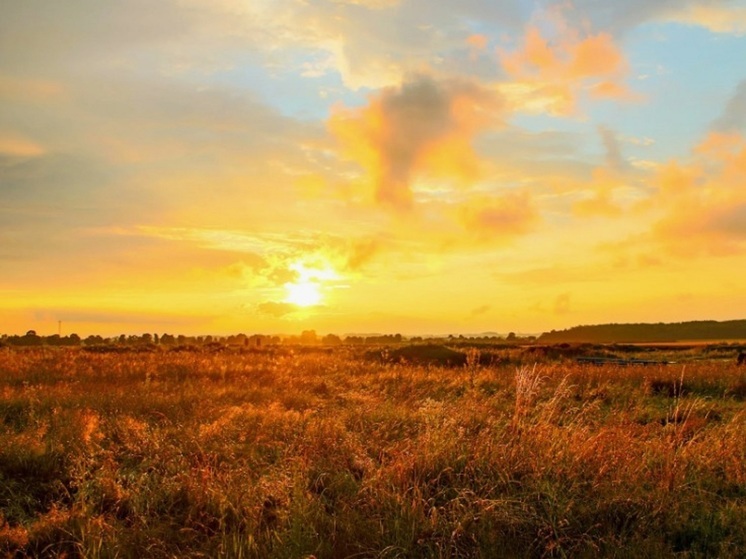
298	453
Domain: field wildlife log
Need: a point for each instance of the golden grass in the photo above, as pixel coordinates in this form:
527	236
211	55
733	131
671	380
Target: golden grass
293	454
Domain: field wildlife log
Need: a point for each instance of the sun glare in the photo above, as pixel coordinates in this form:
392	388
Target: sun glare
306	294
307	289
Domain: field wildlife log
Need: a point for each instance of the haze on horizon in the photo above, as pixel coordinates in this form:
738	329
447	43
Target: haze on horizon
409	166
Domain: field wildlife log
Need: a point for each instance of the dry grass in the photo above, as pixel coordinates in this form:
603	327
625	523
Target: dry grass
197	454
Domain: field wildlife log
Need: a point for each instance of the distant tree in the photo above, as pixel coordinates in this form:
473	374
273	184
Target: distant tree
511	337
331	339
308	337
167	339
30	339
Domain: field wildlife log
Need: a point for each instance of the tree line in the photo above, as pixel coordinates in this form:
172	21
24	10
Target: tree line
700	330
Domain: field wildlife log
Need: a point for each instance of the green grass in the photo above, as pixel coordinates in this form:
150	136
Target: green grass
292	454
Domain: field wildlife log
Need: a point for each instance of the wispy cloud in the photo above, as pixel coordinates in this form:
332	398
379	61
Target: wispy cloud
499	217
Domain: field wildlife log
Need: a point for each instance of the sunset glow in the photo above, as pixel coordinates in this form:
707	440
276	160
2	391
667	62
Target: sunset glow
306	290
303	294
370	166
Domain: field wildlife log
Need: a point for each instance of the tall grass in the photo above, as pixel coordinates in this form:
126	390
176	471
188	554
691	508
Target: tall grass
231	454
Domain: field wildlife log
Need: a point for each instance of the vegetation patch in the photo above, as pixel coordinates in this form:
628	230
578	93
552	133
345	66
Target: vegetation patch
423	451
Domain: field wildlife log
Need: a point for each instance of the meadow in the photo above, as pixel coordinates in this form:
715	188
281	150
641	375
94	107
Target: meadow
291	453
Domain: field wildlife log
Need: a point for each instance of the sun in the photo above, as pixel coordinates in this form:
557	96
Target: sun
303	294
310	283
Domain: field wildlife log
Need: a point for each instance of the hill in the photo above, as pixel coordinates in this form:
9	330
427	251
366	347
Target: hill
661	332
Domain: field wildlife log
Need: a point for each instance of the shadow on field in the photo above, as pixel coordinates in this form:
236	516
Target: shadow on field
428	354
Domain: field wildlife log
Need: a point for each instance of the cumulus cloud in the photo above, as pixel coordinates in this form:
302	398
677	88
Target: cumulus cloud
704	199
552	69
423	127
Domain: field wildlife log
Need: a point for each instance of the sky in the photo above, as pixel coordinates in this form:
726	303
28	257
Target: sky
360	166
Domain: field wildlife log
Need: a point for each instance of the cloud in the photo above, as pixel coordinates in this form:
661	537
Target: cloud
359	253
715	17
364	44
618	185
276	310
553	68
614	159
477	45
704	199
499	217
601	201
733	118
18	146
424	127
480	310
620	17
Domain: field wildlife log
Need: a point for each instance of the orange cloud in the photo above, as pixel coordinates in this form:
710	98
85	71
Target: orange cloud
602	201
477	43
548	75
704	200
496	217
18	146
596	55
423	128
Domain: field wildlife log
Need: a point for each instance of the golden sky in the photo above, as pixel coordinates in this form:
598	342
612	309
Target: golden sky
412	166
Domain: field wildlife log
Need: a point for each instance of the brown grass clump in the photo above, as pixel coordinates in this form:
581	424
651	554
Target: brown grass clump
329	454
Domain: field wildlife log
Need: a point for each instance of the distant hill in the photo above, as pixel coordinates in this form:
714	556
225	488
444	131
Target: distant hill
661	332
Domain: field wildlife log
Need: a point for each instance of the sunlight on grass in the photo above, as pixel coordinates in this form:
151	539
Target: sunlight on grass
237	453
